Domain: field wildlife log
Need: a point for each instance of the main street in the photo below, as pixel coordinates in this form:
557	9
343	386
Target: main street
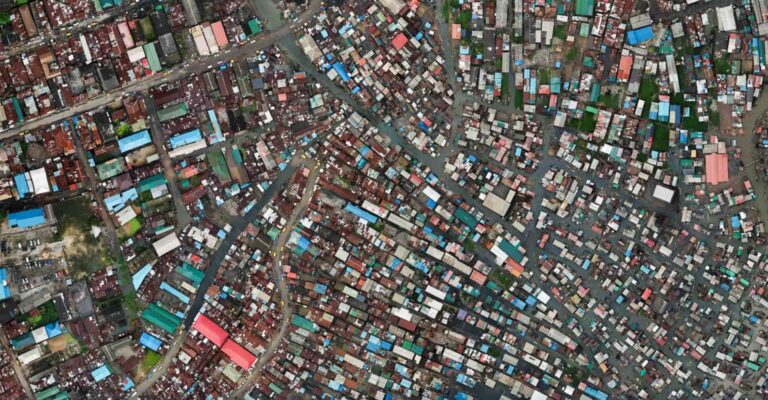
61	33
17	369
246	49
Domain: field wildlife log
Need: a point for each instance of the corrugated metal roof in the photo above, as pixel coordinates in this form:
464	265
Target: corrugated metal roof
210	330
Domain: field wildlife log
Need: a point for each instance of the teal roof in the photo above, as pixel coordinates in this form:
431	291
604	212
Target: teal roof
304	323
585	7
465	218
151	53
150	183
511	250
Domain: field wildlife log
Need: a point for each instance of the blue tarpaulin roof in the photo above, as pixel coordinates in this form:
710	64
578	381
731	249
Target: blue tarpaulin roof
341	71
26	218
639	35
53	329
218	137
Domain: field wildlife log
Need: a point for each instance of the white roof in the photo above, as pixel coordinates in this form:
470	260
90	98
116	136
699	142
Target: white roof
125	214
40	334
394	6
725	19
188	148
135	54
663	193
166	244
538	396
39	181
496	204
30	356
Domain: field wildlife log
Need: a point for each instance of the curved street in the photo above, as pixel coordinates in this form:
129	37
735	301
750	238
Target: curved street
279	277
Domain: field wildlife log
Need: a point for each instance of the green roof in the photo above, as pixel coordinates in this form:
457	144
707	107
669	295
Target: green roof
254	26
47	393
275	388
585	7
151	53
465	218
164	320
150	183
61	396
191	273
174	111
304	323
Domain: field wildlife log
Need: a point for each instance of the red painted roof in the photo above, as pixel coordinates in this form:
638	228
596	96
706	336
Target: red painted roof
219	34
399	41
210	329
238	354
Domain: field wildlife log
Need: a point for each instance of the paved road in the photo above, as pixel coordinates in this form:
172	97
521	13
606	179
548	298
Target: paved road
173	74
436	164
20	375
241	223
210	274
279	277
61	33
160	368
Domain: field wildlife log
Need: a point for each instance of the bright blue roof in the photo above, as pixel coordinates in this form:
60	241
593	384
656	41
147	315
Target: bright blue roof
53	329
117	202
128	384
360	213
175	292
101	373
639	35
341	71
139	276
150	341
26	218
132	142
21	184
185	138
5	291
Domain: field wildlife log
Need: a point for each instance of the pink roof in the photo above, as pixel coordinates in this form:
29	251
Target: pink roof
219	34
125	34
716	168
399	41
238	354
210	329
455	31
